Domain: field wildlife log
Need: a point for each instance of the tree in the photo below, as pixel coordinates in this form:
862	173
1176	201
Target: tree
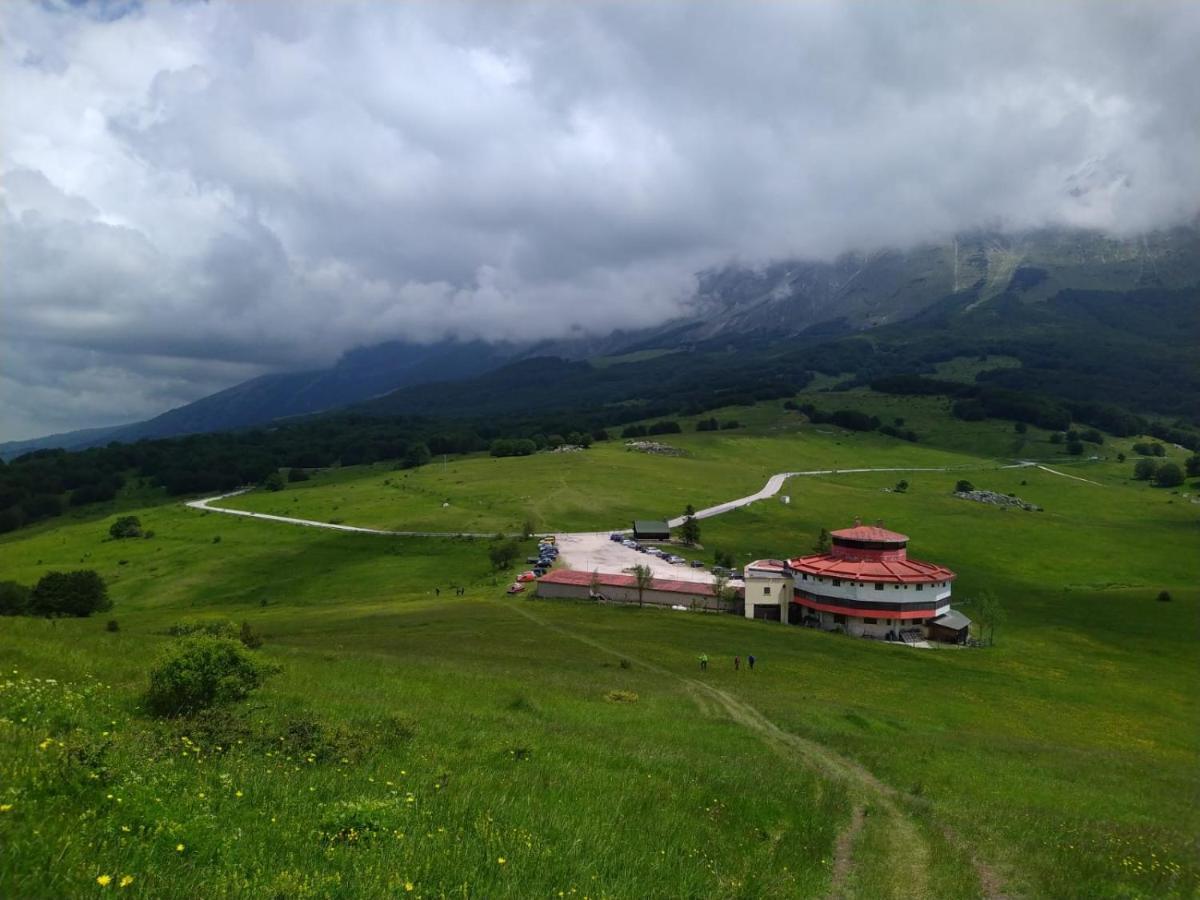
125	527
78	593
1168	475
503	553
723	560
690	532
1144	469
1163	597
273	482
963	486
297	474
901	486
823	543
1020	427
1193	465
989	613
416	455
14	599
1075	447
643	579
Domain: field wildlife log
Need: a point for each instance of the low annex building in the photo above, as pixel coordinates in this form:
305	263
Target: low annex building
574	584
864	586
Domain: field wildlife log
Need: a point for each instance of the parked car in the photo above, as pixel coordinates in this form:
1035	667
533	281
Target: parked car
516	587
696	564
526	576
531	559
618	538
539	571
720	571
632	545
675	560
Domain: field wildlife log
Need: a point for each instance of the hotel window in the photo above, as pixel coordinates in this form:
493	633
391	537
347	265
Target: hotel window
837	582
920	587
767	589
895	587
869	621
879	585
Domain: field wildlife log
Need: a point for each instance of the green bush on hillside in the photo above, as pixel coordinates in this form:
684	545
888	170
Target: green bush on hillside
1168	475
79	593
201	672
125	527
14	599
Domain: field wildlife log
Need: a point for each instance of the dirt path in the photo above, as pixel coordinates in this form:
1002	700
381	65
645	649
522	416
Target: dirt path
1065	475
908	849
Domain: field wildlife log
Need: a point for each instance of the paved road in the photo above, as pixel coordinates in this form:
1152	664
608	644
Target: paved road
206	505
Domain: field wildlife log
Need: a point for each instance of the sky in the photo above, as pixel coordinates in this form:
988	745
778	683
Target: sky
192	194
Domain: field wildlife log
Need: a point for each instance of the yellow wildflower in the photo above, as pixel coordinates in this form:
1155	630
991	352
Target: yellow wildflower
126	880
501	860
5	807
408	885
103	880
179	848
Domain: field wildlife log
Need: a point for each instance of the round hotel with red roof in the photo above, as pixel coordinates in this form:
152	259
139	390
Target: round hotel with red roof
865	586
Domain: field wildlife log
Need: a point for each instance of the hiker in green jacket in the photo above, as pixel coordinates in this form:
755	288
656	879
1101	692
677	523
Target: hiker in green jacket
703	662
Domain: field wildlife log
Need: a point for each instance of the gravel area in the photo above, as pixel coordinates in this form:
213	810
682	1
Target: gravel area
594	552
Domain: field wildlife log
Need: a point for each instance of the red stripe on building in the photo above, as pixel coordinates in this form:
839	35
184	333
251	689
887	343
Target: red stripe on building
865	613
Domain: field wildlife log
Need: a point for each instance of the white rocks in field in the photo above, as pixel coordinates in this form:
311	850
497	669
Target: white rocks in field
1003	500
653	447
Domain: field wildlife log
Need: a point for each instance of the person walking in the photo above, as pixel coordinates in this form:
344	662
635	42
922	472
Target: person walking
703	662
737	663
750	660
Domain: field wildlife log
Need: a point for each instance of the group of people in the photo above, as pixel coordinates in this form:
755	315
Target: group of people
737	662
458	592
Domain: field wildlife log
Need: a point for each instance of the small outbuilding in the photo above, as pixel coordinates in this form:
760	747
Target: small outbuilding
952	627
651	530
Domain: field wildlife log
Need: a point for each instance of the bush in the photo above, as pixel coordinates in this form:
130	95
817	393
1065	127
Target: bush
1163	597
125	527
1075	447
200	672
296	474
1168	475
14	599
112	625
901	486
78	593
211	627
273	482
963	487
250	639
1144	469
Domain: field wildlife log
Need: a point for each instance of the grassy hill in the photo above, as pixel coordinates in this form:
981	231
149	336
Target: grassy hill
417	742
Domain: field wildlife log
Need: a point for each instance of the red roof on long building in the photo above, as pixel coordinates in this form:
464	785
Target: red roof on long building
901	571
870	533
584	579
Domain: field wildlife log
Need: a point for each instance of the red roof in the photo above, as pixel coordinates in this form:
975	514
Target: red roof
585	579
870	533
771	565
901	571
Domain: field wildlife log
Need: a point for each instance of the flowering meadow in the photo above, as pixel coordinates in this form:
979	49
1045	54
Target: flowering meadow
411	742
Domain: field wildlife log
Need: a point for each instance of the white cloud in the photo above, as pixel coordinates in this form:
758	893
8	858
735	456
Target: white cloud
248	186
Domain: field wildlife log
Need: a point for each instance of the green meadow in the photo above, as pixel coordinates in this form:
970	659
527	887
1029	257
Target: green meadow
416	741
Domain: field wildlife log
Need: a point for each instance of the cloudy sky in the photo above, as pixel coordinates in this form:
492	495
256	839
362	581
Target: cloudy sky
195	193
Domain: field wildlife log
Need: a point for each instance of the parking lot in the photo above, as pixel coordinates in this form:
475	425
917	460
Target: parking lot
594	552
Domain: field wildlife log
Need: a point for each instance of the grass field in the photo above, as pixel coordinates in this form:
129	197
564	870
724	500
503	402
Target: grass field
426	744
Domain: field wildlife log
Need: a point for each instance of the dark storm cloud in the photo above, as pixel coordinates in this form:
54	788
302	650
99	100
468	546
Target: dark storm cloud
196	193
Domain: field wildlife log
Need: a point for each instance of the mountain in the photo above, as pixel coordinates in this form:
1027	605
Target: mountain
735	306
359	375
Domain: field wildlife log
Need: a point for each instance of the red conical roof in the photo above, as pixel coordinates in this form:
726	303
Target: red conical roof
870	533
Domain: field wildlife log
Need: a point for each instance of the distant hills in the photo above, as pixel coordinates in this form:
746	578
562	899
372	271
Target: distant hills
1079	295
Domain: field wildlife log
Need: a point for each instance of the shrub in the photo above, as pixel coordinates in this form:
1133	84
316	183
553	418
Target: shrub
1168	475
200	672
901	486
112	625
273	482
1144	469
125	527
14	599
295	474
250	639
1075	447
1163	597
210	627
963	486
78	593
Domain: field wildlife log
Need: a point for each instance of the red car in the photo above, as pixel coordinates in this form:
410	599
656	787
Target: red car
516	587
527	576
